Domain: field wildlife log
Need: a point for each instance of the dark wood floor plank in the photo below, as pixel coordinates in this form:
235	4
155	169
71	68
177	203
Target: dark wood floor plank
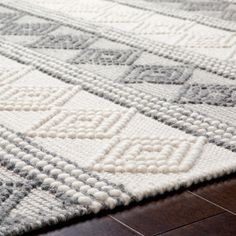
104	226
172	213
168	213
219	225
222	193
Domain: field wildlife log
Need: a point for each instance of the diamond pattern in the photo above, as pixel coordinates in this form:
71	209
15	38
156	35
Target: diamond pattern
212	94
147	155
106	57
204	6
229	13
34	98
5	17
121	16
65	41
28	29
83	124
208	41
8	75
157	74
11	193
161	28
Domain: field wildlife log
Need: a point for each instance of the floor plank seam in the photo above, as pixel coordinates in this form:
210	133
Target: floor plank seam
125	225
223	212
215	204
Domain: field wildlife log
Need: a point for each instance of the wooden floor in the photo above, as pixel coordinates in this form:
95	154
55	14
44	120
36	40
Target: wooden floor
203	210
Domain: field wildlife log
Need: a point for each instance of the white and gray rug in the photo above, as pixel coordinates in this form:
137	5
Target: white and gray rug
107	102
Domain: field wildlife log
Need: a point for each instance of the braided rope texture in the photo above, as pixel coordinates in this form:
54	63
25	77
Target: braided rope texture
105	102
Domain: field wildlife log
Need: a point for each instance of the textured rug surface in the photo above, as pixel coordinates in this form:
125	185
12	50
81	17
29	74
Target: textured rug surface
103	103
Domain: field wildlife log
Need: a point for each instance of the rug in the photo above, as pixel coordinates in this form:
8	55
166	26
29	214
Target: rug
104	103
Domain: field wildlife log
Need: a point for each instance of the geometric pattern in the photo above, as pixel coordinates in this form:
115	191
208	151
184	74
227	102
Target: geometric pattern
208	41
11	193
204	5
121	16
5	17
63	41
113	157
64	178
82	124
8	75
212	94
229	14
34	98
203	12
161	28
157	74
27	29
149	155
106	57
222	9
